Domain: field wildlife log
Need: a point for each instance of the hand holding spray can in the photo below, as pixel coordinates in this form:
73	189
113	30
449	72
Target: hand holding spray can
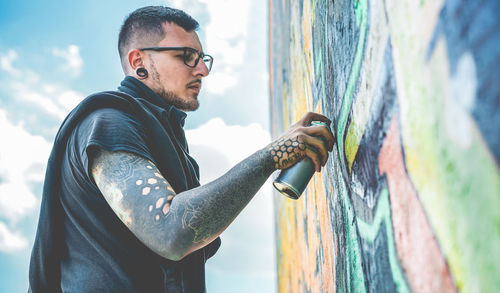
293	181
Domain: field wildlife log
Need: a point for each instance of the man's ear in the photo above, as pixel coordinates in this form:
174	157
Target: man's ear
135	59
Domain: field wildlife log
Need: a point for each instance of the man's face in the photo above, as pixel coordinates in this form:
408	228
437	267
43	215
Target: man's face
170	78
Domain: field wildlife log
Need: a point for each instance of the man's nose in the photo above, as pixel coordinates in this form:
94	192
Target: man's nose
201	69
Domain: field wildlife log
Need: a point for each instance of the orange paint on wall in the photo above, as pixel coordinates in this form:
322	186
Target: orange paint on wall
307	242
417	248
327	265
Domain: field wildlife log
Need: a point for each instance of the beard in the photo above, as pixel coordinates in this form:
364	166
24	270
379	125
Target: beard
178	102
184	104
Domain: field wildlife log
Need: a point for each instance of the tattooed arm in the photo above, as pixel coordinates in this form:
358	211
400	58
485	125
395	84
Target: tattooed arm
174	225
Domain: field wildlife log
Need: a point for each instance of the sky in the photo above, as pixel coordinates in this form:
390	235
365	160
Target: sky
54	53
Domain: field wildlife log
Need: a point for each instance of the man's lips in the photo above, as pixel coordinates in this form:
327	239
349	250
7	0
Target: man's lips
195	86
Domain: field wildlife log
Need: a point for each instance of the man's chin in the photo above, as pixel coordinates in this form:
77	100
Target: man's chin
186	104
189	107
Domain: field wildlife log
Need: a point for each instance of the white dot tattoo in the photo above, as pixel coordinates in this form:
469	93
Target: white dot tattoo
138	182
152	181
146	190
166	208
159	202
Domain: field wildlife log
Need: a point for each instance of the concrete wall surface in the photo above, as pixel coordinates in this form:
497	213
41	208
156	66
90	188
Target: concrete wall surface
409	200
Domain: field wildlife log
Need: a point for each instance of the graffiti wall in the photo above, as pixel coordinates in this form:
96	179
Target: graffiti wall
409	200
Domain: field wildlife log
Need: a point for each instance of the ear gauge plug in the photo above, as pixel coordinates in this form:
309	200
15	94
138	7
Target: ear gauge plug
142	72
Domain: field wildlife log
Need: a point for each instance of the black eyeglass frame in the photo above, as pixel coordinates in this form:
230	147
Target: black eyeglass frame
185	49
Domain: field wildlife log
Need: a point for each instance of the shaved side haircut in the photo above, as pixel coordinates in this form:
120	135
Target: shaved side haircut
144	27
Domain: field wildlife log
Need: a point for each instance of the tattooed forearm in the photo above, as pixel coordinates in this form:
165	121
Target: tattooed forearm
175	225
208	210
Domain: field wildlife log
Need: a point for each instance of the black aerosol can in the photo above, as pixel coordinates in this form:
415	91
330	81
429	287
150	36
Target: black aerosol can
293	181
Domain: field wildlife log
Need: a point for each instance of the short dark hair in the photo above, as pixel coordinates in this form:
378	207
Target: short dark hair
145	26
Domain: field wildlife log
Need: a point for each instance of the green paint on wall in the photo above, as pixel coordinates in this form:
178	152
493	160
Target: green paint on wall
361	9
472	202
354	273
313	11
369	231
319	61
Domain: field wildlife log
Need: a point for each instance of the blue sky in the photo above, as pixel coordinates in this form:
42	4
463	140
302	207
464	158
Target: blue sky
54	53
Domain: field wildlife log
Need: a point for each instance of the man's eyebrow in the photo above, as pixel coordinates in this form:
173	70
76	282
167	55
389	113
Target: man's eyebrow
195	49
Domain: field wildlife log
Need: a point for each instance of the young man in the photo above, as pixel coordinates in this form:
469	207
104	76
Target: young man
122	208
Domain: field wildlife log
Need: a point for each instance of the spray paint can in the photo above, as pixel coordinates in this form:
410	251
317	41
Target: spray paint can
293	181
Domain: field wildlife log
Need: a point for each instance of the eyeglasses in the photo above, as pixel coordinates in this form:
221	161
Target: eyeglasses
191	56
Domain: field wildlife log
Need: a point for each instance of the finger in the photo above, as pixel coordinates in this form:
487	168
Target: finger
311	116
323	132
318	146
314	158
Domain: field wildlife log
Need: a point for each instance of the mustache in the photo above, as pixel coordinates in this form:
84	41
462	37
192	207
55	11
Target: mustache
193	82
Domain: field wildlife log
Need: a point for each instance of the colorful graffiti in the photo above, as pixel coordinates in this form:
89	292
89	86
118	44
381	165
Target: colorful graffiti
410	198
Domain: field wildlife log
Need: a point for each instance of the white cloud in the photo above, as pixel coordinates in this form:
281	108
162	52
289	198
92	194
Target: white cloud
10	241
71	55
219	82
226	34
25	92
217	147
16	199
25	86
53	99
6	63
66	99
23	157
234	141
